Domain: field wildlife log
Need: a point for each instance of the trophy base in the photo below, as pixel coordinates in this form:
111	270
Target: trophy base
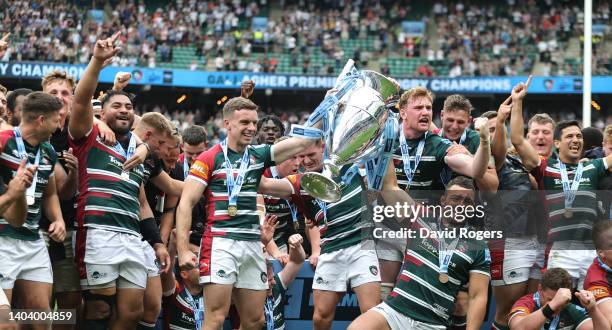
321	187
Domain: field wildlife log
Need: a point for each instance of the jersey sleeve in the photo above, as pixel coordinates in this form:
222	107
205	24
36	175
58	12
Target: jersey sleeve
263	152
157	167
482	261
82	145
440	146
577	314
601	167
597	283
525	306
201	169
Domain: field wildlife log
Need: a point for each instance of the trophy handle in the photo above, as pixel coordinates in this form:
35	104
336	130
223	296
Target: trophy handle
321	187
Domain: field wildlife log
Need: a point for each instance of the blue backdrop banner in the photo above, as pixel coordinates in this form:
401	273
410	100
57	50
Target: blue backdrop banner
228	80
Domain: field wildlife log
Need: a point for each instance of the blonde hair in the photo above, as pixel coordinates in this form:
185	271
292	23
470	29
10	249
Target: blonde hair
158	122
608	134
58	75
413	93
238	103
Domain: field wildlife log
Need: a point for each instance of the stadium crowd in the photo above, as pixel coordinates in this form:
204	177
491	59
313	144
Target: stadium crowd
470	39
135	225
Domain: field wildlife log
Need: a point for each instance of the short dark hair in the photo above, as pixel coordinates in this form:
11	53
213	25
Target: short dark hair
593	138
599	229
3	89
194	135
11	99
489	114
277	122
563	125
556	278
39	103
461	181
107	96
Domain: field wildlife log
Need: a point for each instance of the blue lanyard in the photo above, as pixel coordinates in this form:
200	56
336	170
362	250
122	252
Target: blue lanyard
555	322
570	192
445	253
131	148
234	187
376	167
292	207
269	311
603	265
408	169
185	167
21	150
197	307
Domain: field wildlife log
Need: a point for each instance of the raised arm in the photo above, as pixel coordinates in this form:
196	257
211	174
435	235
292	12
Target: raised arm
289	148
81	116
535	320
498	147
280	188
528	154
473	167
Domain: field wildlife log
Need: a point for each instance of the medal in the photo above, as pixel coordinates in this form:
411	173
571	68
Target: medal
296	225
443	278
30	200
569	190
568	213
232	210
125	175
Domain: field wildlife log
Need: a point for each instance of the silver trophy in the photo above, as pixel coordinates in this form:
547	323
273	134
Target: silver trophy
356	127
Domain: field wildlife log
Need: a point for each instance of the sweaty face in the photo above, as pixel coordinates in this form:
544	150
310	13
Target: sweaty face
605	253
546	295
171	156
193	151
2	104
290	166
607	147
62	90
15	116
242	126
157	142
454	122
49	125
571	143
416	114
268	133
456	196
541	138
118	114
312	158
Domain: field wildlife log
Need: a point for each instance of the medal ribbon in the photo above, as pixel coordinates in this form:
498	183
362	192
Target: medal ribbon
234	186
446	173
197	307
555	322
603	265
376	167
185	167
269	311
445	253
408	169
21	150
292	207
570	192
